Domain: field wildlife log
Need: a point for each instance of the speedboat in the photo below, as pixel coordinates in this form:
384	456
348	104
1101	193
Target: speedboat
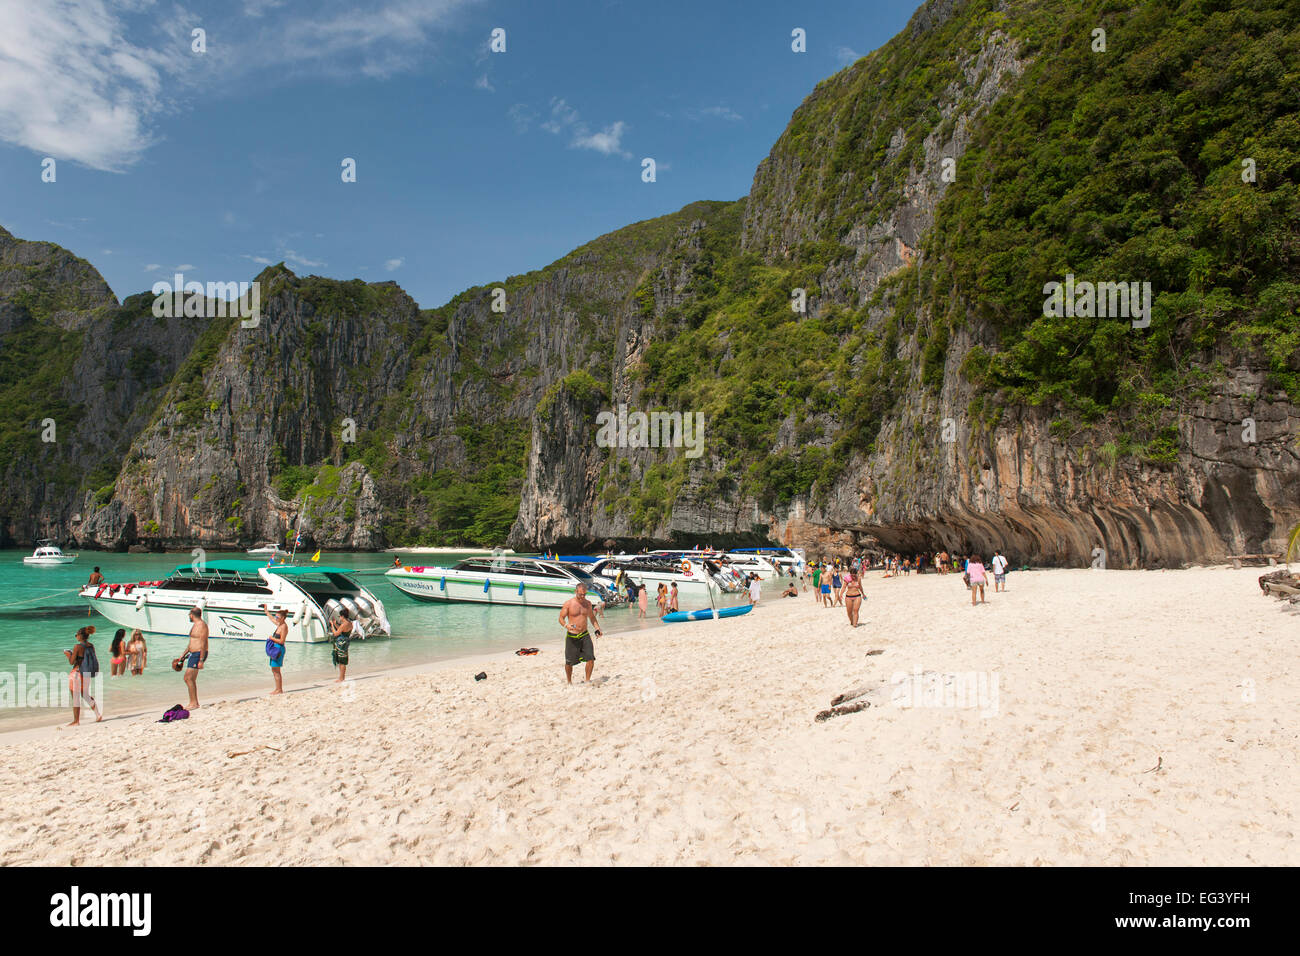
785	561
47	554
697	578
268	551
232	596
487	580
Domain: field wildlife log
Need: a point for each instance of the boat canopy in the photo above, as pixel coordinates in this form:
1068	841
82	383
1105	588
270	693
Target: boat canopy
235	566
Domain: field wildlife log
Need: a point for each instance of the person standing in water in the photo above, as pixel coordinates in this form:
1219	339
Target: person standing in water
576	616
642	598
196	652
137	652
275	643
85	668
117	654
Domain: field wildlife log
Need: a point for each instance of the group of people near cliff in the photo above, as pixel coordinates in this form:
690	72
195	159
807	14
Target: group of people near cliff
837	582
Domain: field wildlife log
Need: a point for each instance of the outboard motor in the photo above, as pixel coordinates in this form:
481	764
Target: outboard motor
350	605
366	609
332	609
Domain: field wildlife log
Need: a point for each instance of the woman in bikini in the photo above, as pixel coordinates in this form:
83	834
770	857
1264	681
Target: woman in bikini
852	597
662	599
137	653
118	657
642	597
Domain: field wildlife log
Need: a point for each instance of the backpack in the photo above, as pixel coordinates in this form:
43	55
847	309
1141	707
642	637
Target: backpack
89	661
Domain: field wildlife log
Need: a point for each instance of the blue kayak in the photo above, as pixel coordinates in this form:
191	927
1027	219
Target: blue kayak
706	614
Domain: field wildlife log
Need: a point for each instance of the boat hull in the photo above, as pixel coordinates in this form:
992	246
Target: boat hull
49	562
452	587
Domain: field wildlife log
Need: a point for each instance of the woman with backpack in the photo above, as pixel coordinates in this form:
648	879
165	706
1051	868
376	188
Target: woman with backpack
85	668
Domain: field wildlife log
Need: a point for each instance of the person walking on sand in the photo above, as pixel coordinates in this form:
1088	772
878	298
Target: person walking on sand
852	597
837	586
576	616
275	646
85	668
342	634
196	653
978	578
817	585
755	589
117	654
999	571
137	653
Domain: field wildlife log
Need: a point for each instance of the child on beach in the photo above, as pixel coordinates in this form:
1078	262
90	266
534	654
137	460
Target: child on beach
137	653
976	574
85	667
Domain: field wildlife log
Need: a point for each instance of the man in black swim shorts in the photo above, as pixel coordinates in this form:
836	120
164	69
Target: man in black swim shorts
577	614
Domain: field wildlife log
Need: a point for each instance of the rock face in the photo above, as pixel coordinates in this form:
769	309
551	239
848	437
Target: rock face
367	421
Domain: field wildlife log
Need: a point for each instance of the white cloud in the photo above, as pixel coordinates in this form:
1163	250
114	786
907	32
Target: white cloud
187	267
152	267
88	80
846	55
564	120
392	265
522	115
291	256
483	83
260	260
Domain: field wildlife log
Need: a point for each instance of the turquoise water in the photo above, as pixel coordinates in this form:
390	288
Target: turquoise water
40	613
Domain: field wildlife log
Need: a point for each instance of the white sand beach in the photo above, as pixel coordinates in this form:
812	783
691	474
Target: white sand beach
1140	718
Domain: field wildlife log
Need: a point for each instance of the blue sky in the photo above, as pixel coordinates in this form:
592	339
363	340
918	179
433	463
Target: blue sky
471	165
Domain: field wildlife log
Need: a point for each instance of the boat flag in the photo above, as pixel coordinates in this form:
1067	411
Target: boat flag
316	556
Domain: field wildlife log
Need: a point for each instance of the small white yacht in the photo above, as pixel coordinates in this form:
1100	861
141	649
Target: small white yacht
268	551
48	554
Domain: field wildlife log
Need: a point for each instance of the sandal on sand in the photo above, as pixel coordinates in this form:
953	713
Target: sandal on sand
525	651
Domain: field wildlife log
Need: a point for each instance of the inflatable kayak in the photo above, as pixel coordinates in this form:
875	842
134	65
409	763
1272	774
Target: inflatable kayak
706	614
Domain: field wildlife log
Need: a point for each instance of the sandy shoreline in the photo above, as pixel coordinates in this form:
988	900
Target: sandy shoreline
698	744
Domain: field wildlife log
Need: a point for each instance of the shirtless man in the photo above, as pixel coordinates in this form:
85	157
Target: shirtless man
95	579
576	616
281	634
195	655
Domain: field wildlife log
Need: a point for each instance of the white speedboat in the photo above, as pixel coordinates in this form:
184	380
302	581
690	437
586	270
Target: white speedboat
48	554
748	563
697	578
232	594
268	551
523	581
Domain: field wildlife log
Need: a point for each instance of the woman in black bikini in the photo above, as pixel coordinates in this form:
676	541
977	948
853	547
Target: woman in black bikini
852	596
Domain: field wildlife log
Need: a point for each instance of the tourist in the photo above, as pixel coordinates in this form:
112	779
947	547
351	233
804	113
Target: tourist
837	586
976	577
642	598
755	588
137	653
661	599
275	645
117	654
196	653
342	634
999	571
85	668
791	590
852	597
397	561
577	615
826	587
95	579
672	598
816	578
